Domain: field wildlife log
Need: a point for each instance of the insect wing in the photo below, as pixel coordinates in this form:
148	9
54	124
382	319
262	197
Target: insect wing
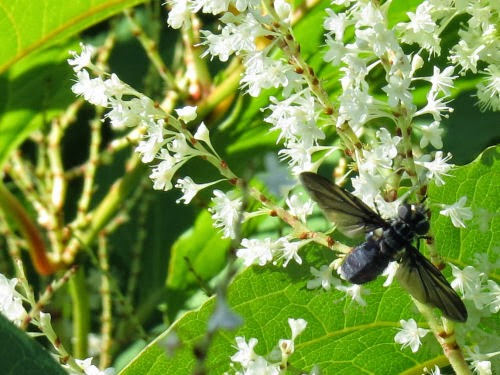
349	213
423	281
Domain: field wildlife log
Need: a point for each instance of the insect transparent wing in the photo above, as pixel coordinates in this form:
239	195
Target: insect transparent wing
349	213
423	281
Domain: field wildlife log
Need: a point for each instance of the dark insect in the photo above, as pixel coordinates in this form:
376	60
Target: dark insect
386	241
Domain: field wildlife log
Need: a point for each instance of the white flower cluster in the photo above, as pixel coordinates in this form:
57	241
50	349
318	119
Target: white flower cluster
475	286
164	139
247	362
477	44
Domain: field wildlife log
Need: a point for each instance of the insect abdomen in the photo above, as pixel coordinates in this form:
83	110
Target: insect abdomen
364	263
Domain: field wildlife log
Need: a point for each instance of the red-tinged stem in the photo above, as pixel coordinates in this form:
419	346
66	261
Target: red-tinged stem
36	245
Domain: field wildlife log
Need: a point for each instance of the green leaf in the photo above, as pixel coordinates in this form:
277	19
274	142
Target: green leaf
28	26
35	78
21	354
198	252
478	181
33	92
341	336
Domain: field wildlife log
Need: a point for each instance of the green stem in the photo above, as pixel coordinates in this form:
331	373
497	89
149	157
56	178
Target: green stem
81	314
109	206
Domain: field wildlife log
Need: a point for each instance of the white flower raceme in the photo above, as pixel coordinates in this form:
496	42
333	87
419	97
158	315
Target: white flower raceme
410	335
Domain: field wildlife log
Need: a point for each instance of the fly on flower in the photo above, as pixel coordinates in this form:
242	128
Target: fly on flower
386	241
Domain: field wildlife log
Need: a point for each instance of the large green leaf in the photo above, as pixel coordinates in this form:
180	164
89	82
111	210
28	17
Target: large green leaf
27	26
22	355
32	93
35	78
478	181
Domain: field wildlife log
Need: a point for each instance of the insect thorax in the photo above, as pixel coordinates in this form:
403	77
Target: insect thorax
411	222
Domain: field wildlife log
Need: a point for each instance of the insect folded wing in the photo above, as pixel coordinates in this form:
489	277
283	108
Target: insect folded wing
426	283
350	214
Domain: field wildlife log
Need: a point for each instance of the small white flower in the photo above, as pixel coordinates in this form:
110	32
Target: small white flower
442	81
390	272
421	20
410	335
283	9
437	107
466	55
89	369
92	90
164	171
256	251
245	353
398	90
189	188
226	213
355	291
493	296
153	141
457	212
187	113
467	281
437	168
262	367
472	284
84	59
202	133
297	326
431	134
336	23
323	278
10	300
178	13
287	347
289	250
298	208
479	361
